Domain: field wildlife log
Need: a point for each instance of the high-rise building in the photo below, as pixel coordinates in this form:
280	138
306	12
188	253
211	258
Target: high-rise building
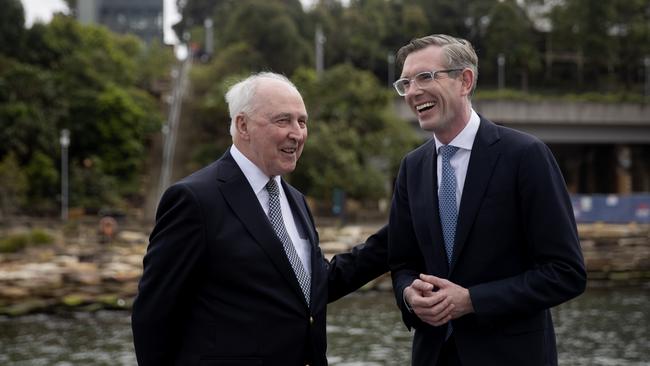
143	18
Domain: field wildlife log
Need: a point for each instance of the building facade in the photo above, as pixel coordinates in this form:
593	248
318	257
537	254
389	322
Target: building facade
143	18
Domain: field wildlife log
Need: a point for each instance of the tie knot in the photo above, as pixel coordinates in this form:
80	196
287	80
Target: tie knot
448	151
272	187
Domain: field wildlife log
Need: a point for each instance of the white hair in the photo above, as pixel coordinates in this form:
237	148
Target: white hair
240	97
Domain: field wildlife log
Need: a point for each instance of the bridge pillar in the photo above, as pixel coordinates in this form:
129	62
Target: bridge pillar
623	171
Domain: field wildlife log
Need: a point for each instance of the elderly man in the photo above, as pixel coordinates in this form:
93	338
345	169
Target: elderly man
233	274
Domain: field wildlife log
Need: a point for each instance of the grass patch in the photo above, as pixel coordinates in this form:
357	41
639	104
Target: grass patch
16	242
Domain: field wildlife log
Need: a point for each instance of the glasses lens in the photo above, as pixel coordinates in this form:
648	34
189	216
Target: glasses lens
401	86
423	78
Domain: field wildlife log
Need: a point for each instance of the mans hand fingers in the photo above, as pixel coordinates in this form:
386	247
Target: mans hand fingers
434	281
432	299
421	286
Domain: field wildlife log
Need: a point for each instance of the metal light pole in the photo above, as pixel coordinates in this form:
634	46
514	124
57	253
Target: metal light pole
209	37
65	142
501	62
319	41
391	69
646	63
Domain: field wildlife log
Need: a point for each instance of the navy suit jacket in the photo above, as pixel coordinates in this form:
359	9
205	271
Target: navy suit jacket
516	248
217	287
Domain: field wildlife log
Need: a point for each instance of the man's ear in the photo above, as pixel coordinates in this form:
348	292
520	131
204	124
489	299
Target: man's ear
241	124
467	77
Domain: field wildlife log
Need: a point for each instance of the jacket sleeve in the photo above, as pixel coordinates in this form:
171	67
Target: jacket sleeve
175	248
551	240
404	257
347	272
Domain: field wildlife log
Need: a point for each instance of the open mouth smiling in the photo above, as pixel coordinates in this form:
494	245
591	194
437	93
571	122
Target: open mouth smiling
289	150
425	106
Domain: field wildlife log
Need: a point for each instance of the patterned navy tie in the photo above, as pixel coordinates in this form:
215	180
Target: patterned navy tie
447	206
275	216
447	200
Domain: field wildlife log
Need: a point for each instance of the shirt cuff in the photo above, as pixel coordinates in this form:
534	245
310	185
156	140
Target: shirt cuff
406	303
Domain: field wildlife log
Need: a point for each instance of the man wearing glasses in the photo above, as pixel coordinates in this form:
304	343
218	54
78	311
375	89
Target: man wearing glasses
482	238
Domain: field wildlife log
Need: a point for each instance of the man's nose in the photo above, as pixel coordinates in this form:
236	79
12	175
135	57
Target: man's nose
411	89
295	131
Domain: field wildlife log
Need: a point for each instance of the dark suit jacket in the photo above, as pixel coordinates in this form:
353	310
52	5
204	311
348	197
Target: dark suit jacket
217	288
516	248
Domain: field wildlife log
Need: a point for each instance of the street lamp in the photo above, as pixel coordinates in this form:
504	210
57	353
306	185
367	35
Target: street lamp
391	69
65	142
646	63
501	62
319	42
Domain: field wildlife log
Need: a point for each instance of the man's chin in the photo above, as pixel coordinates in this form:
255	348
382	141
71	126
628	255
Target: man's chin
427	125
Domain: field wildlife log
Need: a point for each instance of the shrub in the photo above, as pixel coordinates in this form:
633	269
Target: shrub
40	237
16	242
13	243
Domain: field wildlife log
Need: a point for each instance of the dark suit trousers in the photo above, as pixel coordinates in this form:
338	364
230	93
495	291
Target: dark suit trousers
448	354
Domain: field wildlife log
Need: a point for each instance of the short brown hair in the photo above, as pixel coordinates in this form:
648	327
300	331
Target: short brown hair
459	51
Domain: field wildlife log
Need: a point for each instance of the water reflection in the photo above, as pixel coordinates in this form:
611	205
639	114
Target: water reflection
601	328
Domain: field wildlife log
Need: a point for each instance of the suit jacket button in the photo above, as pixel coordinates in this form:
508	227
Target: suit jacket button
311	321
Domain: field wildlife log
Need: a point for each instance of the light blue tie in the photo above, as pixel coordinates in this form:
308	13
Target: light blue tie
275	216
447	200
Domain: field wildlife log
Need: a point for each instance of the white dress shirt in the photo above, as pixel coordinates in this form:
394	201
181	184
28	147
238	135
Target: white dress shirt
257	180
460	161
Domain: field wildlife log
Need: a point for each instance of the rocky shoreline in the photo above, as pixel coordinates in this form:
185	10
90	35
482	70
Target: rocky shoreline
80	272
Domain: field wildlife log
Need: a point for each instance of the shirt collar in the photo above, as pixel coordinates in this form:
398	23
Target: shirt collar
465	139
256	178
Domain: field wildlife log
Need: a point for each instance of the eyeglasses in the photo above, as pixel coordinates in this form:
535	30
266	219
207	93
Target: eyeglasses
421	80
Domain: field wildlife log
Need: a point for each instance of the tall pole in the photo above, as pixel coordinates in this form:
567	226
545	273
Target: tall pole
319	41
170	129
501	62
209	37
391	70
646	63
65	142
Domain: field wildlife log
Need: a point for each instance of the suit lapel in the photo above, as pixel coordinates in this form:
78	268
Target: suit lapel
244	204
479	172
433	247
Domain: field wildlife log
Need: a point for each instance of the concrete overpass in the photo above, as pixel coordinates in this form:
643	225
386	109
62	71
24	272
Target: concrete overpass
556	122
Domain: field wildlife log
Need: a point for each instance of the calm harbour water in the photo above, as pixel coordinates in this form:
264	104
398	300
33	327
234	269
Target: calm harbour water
602	327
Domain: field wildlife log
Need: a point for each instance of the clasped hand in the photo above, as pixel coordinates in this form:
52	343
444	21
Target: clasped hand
436	301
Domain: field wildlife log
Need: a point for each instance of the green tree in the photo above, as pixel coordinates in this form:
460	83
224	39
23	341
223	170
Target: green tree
510	33
269	30
85	79
12	23
632	28
582	27
355	142
13	185
43	177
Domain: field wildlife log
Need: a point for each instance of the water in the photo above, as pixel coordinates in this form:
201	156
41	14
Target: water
600	328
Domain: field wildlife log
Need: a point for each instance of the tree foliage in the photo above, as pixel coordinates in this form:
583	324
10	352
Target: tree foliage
355	142
98	85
